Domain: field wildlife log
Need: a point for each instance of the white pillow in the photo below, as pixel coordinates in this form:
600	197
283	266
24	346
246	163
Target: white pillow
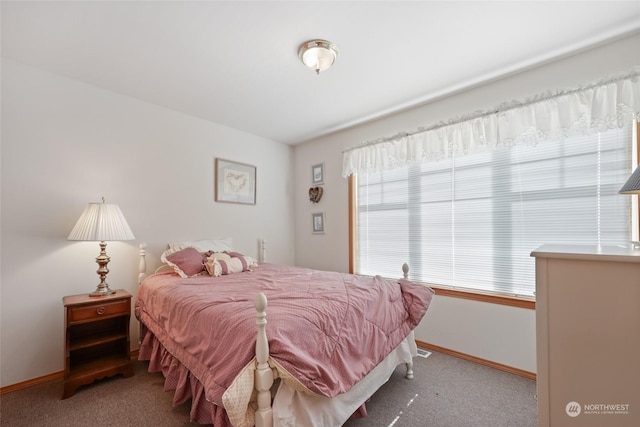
205	245
215	245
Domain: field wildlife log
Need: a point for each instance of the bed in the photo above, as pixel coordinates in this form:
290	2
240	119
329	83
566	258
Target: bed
329	342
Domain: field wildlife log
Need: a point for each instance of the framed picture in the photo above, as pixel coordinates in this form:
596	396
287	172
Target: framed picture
317	174
317	219
235	182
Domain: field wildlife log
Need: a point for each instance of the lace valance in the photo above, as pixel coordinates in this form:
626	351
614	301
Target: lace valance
606	104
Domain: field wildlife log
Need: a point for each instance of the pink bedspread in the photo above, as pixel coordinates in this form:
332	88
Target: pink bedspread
326	329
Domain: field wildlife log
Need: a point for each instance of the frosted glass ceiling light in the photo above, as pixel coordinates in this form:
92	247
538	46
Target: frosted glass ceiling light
319	55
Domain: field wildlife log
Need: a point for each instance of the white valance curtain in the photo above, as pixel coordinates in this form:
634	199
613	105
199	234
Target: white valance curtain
607	104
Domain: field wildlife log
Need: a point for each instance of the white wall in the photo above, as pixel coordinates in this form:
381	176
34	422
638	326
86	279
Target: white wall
65	144
501	334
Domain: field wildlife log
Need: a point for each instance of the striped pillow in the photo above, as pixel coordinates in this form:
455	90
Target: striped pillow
223	263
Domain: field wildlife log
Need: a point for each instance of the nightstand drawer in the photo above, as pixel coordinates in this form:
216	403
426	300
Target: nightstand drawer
96	311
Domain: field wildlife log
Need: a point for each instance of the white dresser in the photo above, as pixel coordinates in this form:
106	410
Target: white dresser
588	336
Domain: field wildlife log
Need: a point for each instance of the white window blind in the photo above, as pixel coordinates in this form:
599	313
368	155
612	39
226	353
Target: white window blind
471	222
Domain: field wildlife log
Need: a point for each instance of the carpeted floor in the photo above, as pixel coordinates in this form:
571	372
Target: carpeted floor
446	392
451	392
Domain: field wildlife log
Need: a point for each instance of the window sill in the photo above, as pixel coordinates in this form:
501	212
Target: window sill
512	301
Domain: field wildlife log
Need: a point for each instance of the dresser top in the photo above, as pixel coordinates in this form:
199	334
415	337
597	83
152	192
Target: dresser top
622	253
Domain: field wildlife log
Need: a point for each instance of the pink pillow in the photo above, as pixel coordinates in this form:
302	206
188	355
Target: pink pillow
187	262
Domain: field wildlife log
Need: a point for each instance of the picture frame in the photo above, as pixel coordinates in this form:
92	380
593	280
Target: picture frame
317	222
235	182
317	174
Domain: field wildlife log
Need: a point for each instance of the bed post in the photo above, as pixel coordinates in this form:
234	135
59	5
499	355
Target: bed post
262	250
142	273
264	374
405	271
142	264
405	274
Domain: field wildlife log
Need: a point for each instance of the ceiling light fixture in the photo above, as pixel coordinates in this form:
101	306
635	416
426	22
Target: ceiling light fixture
319	55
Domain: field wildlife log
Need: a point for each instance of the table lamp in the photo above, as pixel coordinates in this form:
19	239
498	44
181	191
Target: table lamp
101	222
632	186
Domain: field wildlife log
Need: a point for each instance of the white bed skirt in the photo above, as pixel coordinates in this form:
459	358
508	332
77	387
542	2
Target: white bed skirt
293	408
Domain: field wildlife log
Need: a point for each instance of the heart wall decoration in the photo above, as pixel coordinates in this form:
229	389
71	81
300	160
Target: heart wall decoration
315	194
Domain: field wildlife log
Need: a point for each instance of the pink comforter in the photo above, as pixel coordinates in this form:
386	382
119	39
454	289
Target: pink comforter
326	329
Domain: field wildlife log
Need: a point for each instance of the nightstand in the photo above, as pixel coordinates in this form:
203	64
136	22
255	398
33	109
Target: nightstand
97	339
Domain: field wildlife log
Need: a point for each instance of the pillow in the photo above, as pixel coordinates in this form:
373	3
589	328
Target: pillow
202	246
187	262
223	263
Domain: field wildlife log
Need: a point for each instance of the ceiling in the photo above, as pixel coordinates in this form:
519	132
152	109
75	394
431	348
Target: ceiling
236	63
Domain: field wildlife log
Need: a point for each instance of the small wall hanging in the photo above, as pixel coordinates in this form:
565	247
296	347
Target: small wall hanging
315	194
317	174
317	220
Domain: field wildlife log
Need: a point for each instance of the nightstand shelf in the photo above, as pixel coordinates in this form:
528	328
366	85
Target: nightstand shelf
97	339
91	367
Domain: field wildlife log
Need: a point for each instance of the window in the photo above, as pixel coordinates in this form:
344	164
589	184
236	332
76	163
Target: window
471	222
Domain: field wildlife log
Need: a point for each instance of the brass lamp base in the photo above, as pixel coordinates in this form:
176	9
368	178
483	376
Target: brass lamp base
101	292
102	260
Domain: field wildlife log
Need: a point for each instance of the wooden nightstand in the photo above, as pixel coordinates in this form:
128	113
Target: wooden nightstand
97	339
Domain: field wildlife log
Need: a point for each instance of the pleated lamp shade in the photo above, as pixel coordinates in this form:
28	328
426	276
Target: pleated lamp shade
101	222
632	186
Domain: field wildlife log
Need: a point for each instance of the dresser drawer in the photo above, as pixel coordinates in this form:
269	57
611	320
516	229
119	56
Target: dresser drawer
99	310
